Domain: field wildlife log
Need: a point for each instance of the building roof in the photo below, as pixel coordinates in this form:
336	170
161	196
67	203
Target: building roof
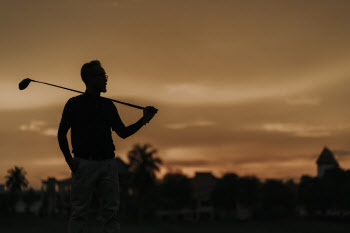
327	157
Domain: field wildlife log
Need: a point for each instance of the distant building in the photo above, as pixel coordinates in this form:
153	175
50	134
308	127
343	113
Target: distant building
326	161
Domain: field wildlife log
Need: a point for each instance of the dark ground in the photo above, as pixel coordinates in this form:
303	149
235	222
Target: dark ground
31	224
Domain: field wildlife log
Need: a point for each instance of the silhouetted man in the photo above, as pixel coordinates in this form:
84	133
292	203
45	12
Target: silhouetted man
93	167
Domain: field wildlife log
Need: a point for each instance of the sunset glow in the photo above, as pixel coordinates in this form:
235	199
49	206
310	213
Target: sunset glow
250	87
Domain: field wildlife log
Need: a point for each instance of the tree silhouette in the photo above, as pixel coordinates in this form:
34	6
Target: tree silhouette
310	193
29	198
248	190
175	192
143	166
224	195
16	180
15	183
277	198
330	192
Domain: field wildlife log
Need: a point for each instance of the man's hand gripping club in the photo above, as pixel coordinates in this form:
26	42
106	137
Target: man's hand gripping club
148	114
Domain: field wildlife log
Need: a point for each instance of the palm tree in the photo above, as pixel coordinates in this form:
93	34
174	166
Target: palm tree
16	180
144	166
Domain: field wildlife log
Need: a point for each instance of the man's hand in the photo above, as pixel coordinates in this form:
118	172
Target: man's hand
73	164
148	114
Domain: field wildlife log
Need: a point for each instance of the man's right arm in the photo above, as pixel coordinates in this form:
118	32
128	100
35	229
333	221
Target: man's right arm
63	142
65	125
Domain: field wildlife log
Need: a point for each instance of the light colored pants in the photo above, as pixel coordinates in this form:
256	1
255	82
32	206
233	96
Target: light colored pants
101	178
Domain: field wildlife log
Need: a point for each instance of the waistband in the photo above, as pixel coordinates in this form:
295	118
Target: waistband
96	157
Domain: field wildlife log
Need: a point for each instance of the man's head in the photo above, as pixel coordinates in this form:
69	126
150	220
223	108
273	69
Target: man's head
94	76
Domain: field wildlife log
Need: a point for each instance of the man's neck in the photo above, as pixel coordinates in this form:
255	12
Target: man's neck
92	92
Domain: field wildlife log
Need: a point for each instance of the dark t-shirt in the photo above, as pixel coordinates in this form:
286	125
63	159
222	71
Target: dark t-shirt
91	119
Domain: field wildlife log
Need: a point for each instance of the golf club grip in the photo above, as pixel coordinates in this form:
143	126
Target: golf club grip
117	101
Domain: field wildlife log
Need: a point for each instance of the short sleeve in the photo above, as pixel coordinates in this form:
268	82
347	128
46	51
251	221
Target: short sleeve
67	115
116	121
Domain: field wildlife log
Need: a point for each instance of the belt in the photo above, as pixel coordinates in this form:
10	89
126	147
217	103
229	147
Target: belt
96	157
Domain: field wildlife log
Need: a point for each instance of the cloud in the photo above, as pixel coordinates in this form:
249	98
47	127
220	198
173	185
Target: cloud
252	89
50	132
297	129
303	130
187	163
191	93
199	123
49	162
303	100
39	127
341	153
33	126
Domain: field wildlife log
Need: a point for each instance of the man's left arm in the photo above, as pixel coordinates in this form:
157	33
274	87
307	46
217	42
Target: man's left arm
126	131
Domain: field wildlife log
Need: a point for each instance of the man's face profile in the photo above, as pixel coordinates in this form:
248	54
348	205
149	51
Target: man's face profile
98	79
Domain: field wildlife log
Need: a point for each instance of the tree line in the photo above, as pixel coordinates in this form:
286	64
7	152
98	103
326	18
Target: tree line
142	194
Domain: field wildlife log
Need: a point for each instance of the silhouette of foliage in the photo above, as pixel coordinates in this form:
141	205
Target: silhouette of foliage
335	189
248	190
6	206
331	192
143	165
175	192
16	180
225	192
29	197
277	199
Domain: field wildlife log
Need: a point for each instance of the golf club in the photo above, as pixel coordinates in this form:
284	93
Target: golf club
25	83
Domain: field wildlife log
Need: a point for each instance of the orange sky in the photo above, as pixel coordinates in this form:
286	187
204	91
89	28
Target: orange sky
252	87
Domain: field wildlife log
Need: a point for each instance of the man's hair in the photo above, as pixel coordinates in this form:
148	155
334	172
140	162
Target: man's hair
84	72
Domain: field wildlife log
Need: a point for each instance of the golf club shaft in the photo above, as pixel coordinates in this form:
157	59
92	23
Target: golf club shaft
117	101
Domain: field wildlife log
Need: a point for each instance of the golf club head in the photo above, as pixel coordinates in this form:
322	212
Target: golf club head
24	83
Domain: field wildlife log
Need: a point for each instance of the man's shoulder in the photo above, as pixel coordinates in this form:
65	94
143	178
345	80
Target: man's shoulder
75	99
108	102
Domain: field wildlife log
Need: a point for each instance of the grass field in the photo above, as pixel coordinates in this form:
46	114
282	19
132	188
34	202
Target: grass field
53	225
